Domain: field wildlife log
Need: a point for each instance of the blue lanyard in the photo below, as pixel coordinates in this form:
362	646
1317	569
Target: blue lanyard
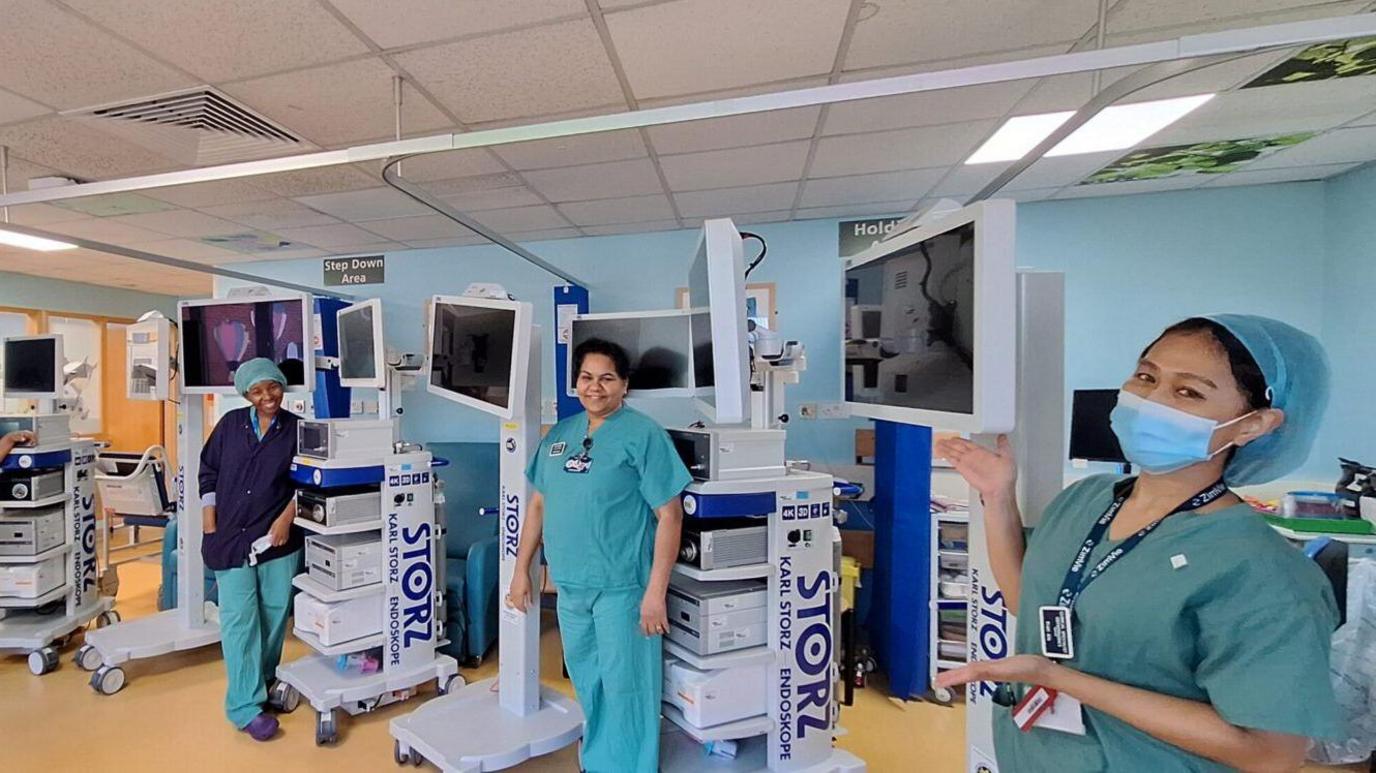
1076	579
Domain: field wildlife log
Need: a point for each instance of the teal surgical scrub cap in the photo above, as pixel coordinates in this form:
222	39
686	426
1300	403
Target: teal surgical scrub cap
1297	377
254	371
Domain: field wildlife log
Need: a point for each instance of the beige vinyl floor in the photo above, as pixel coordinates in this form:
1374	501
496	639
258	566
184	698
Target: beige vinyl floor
168	717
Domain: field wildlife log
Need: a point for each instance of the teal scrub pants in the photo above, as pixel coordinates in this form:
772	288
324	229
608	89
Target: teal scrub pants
616	673
255	602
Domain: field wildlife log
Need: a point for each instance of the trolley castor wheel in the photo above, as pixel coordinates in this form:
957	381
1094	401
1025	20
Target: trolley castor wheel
943	695
87	658
107	618
450	684
284	697
400	753
42	661
326	729
108	680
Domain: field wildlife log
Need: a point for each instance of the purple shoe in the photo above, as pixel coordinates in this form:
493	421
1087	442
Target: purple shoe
262	727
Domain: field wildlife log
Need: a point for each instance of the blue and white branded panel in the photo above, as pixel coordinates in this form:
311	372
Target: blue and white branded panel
800	599
82	511
409	620
990	637
325	475
699	505
21	459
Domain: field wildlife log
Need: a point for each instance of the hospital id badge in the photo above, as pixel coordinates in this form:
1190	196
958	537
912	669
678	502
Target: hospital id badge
1058	640
577	464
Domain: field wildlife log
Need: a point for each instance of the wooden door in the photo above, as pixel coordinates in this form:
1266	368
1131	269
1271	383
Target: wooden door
130	425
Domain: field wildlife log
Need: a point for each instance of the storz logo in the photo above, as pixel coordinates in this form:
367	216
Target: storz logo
410	616
511	523
805	630
988	629
84	526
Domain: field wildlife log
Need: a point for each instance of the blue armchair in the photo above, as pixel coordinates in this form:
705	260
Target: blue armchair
471	557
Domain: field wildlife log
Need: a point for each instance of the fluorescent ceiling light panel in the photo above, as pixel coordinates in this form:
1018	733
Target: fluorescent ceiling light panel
1115	128
27	242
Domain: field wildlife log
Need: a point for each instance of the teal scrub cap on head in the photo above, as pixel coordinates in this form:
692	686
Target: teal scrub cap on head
1297	377
256	370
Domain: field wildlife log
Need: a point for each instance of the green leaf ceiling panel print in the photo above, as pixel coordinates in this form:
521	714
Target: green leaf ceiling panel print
1219	157
1341	59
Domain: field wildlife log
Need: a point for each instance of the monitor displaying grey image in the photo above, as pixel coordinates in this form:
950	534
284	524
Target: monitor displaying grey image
471	352
913	339
658	346
357	344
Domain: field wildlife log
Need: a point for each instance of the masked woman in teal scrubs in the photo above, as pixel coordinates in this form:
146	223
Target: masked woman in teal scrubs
1178	631
607	508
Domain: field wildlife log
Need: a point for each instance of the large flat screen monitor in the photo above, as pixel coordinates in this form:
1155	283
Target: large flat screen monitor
33	367
659	345
947	314
477	353
362	351
716	292
1091	435
219	335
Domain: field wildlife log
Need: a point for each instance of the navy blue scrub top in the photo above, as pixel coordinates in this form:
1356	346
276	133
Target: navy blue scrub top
248	480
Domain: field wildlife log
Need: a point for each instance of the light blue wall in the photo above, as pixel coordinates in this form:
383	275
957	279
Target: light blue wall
1349	328
32	292
1134	264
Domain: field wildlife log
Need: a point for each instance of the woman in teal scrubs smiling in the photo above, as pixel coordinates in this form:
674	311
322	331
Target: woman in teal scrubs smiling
1178	631
607	507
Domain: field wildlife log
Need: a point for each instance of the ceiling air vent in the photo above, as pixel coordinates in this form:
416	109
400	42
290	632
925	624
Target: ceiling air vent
196	127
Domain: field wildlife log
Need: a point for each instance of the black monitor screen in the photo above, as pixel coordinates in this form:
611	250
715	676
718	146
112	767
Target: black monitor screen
657	346
357	356
218	338
30	365
471	351
920	352
1091	436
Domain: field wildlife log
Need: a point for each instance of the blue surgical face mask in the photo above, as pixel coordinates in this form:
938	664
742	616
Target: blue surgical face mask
1161	439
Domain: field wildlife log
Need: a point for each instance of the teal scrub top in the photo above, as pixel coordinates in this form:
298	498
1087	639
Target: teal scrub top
599	526
1245	625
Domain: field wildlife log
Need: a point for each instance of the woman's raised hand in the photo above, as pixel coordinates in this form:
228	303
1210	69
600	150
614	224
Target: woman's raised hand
991	472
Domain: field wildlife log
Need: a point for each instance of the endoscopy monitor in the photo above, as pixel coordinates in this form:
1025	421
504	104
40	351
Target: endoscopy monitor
148	359
718	325
946	322
477	350
33	367
1091	435
362	353
658	344
219	335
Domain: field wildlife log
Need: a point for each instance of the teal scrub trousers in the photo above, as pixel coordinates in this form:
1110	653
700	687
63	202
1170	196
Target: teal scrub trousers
616	673
255	602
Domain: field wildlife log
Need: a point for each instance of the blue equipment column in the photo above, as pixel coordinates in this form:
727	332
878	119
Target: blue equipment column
569	301
902	554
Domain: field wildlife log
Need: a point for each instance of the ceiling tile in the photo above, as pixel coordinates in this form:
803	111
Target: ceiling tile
369	248
457	241
1177	183
1208	80
735	131
597	181
523	73
14	108
408	22
209	194
328	235
926	108
475	184
451	164
339	104
1253	176
896	33
220	41
495	198
1340	146
736	167
544	235
78	149
1061	171
189	249
310	182
726	202
967	179
370	204
1029	195
182	222
271	214
522	219
918	148
42	214
1273	110
104	229
60	60
889	186
1135	15
1269	12
763	217
573	151
631	228
875	209
405	229
635	209
704	45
